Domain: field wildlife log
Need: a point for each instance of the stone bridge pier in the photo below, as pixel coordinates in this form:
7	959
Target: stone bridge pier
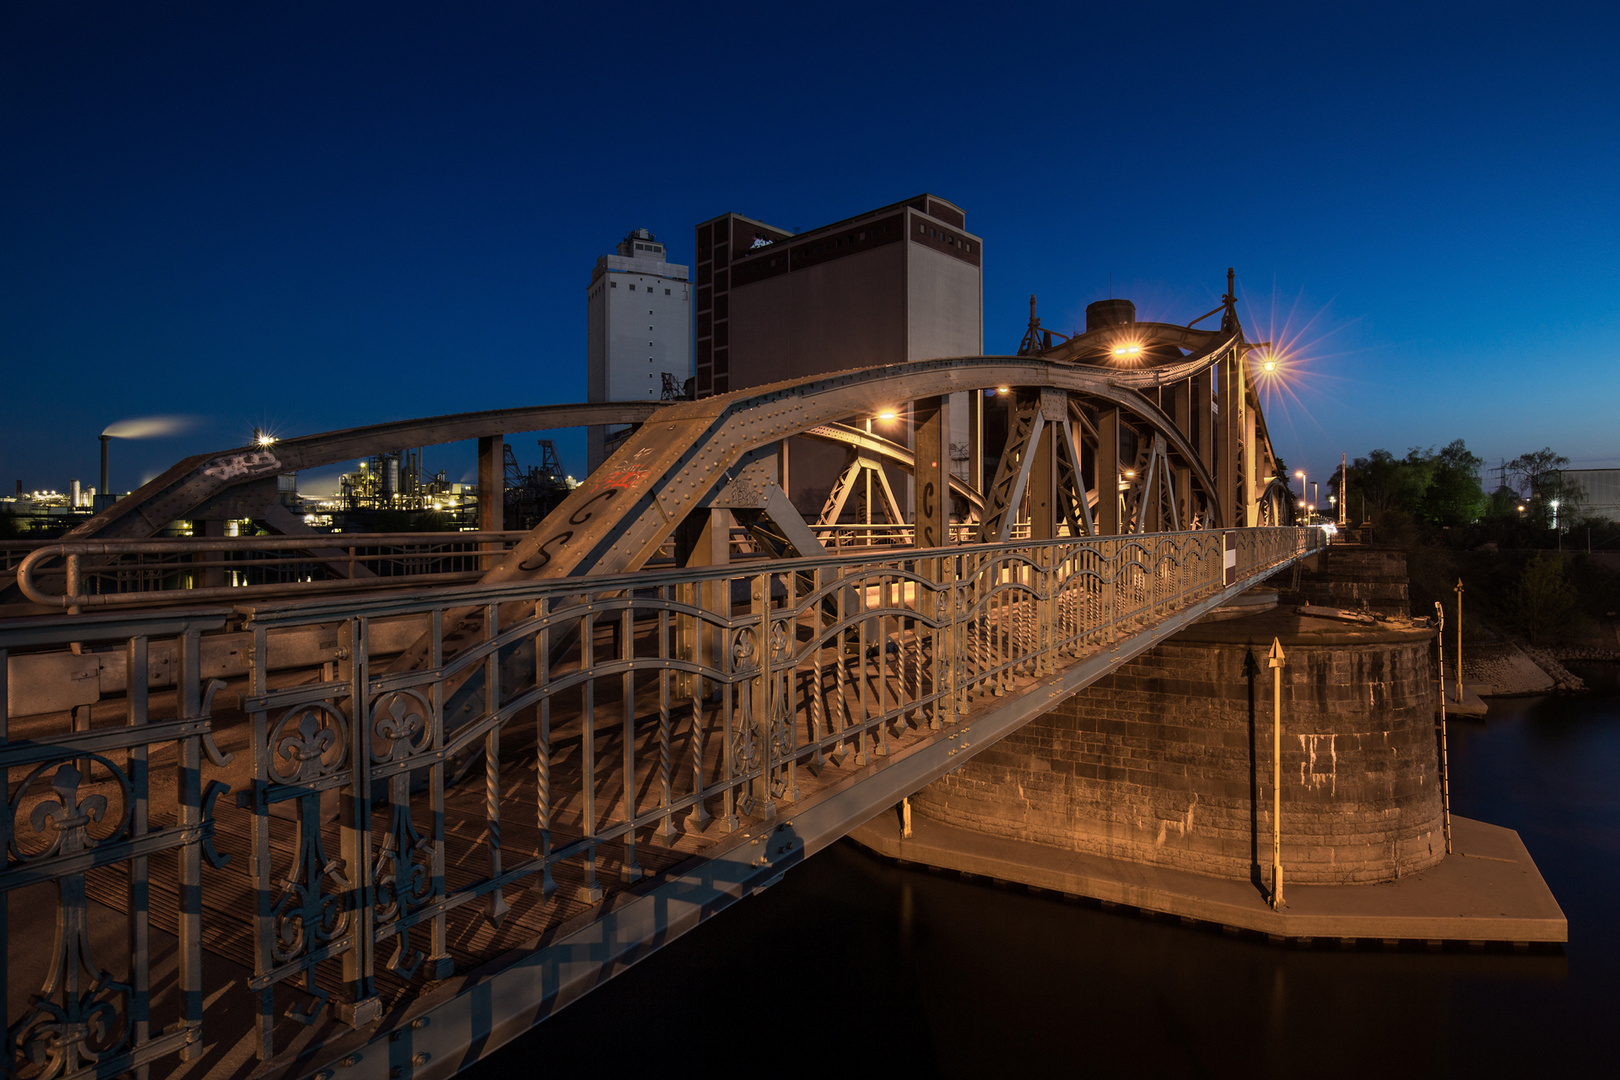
1168	760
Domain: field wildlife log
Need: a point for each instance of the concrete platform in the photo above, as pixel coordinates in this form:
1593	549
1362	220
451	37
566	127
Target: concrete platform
1487	890
1471	705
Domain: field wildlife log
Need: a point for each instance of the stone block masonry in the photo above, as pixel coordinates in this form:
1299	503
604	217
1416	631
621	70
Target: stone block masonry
1169	759
1358	578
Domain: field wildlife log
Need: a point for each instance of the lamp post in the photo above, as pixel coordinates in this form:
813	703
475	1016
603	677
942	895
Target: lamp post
1300	475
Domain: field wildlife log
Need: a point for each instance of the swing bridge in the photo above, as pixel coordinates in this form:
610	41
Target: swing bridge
386	802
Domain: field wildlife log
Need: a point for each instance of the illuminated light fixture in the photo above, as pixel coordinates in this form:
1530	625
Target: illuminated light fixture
1002	389
264	439
887	414
1130	474
1128	350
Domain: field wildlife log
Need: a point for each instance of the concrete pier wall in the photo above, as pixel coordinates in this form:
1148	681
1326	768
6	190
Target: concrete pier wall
1168	761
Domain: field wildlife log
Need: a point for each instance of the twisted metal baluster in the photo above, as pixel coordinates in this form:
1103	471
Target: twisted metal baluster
700	813
841	680
665	760
542	776
817	720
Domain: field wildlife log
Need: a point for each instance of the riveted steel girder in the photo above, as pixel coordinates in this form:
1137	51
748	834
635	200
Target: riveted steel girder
617	518
196	480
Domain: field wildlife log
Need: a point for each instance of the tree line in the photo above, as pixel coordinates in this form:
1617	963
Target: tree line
1442	488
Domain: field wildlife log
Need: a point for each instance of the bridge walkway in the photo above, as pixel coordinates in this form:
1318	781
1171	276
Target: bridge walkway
396	858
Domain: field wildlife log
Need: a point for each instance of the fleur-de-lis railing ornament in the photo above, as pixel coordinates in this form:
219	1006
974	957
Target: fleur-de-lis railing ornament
307	914
403	879
69	816
745	751
307	744
782	736
742	647
68	1029
399	725
781	639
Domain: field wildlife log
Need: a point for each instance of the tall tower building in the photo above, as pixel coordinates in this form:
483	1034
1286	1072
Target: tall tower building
640	330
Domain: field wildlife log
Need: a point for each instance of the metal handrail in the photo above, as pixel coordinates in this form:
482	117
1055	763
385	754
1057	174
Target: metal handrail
720	688
75	596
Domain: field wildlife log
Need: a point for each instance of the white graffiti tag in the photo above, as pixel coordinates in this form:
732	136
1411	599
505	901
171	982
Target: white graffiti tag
246	464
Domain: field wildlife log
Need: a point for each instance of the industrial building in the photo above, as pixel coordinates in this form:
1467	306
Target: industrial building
639	332
1601	489
891	285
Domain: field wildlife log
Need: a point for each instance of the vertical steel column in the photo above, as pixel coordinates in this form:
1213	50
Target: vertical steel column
359	960
261	864
590	891
1042	484
188	683
1107	468
491	483
212	577
1251	453
931	493
630	870
440	962
1231	479
703	539
1204	417
140	954
759	692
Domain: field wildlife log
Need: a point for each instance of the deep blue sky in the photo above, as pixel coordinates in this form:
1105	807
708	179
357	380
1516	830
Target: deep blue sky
315	216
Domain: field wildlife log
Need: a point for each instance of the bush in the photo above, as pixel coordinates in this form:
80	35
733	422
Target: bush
1543	598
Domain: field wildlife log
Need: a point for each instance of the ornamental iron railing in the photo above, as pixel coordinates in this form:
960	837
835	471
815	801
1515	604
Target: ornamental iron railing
392	820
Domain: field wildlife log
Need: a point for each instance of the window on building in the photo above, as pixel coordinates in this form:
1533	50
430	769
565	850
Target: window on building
666	292
615	284
632	288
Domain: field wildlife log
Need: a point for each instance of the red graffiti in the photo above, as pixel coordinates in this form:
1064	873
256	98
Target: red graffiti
630	477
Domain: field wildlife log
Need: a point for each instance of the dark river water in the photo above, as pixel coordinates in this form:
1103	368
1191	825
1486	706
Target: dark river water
851	966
